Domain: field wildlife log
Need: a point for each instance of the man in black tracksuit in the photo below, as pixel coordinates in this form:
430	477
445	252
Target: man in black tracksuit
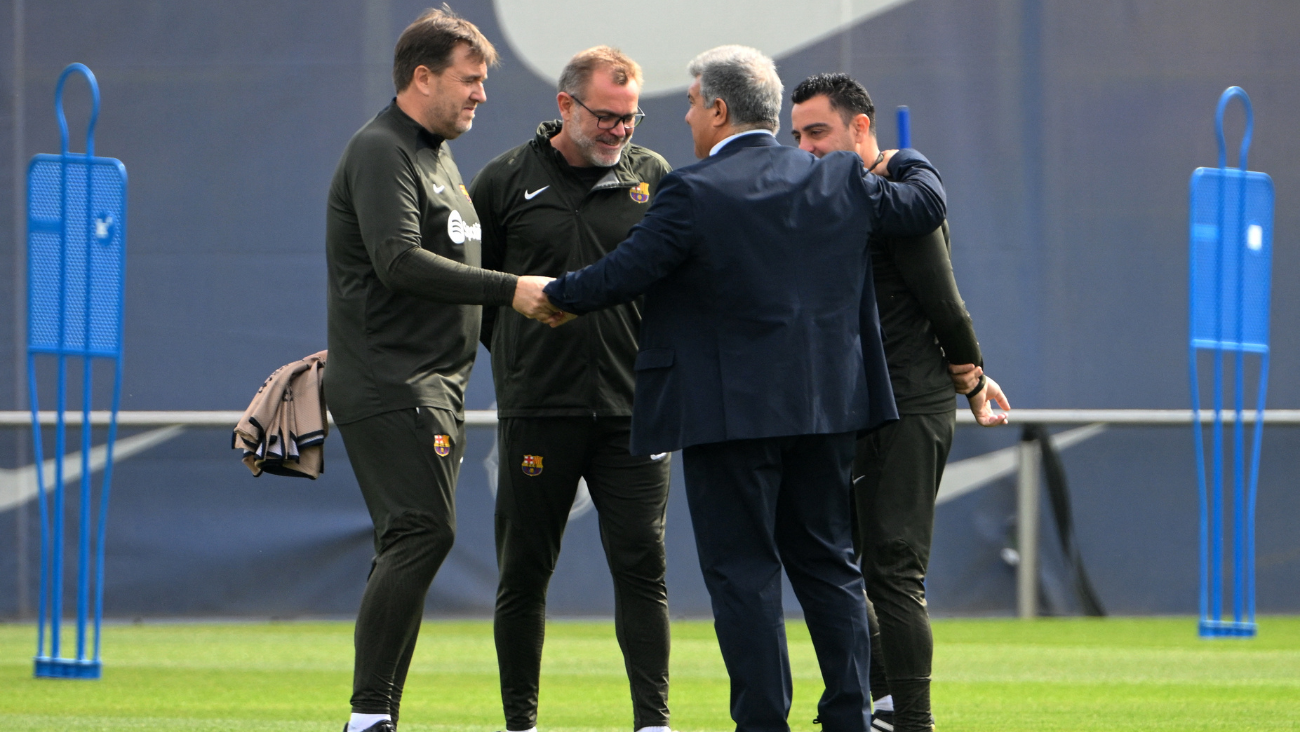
405	295
930	348
564	397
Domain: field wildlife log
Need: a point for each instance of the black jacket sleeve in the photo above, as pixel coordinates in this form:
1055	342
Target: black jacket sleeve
384	194
913	202
482	192
926	268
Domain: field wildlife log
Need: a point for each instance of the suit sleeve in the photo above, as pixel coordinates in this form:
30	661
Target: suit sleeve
383	186
926	268
911	204
483	192
655	247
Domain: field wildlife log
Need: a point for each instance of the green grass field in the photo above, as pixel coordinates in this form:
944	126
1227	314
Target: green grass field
1114	674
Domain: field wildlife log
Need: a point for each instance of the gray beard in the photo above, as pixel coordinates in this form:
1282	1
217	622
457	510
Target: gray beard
590	153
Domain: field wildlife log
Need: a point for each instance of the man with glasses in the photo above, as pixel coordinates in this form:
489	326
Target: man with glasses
557	203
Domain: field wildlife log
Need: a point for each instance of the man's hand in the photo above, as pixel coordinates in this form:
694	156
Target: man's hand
965	376
882	168
559	318
531	301
981	405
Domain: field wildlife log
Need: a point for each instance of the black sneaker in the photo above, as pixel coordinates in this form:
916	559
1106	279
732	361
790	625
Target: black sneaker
382	725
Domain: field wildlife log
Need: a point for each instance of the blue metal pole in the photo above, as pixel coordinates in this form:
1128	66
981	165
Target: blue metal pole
83	543
1239	429
1254	484
1216	502
56	590
1198	448
87	393
39	451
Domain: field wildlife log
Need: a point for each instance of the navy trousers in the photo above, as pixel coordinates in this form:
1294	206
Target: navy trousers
758	506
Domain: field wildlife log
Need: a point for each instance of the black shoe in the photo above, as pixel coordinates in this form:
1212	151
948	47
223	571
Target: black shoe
382	725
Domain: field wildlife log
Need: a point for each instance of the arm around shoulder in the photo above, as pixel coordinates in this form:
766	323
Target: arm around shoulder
911	204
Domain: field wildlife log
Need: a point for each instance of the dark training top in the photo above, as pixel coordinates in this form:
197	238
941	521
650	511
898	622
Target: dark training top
923	319
542	216
405	287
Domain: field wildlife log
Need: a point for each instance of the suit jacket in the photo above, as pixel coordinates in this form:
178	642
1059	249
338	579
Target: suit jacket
760	316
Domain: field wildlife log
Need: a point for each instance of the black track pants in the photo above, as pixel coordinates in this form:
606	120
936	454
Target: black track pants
541	460
897	472
406	462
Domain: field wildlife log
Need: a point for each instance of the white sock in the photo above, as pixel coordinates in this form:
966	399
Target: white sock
530	729
363	722
884	704
655	729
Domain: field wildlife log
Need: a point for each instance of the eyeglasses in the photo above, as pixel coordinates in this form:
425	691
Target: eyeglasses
610	121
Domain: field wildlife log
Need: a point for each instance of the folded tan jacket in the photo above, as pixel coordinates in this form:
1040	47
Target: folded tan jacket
283	431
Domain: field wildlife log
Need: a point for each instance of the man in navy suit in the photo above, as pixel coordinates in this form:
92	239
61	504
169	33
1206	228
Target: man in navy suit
760	358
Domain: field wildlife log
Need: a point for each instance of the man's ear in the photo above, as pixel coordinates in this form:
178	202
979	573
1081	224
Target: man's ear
861	128
721	115
420	79
565	103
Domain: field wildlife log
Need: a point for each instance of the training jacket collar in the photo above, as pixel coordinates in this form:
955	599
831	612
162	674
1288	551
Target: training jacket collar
620	175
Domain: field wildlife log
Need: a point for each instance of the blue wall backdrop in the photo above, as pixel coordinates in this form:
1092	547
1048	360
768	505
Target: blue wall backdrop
1065	133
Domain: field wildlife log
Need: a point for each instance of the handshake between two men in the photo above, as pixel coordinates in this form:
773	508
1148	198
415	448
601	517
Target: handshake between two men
533	303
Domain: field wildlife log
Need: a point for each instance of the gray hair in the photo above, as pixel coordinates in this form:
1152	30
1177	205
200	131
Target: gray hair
746	80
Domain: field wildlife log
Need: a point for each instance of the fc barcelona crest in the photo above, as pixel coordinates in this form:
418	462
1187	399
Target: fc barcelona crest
532	465
442	445
641	193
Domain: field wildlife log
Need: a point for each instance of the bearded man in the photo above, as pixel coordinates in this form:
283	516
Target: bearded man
557	203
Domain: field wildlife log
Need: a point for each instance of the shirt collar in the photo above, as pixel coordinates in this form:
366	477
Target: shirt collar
433	140
723	144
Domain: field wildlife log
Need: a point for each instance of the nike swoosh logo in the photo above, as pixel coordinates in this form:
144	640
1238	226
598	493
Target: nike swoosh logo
439	189
530	196
18	485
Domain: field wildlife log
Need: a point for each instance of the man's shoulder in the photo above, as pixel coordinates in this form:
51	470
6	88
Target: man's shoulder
727	167
507	164
842	158
643	160
377	140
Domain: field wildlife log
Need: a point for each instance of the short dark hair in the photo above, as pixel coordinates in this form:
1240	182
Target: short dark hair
430	41
846	96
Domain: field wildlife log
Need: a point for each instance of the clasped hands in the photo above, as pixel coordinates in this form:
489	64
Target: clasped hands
965	377
533	303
